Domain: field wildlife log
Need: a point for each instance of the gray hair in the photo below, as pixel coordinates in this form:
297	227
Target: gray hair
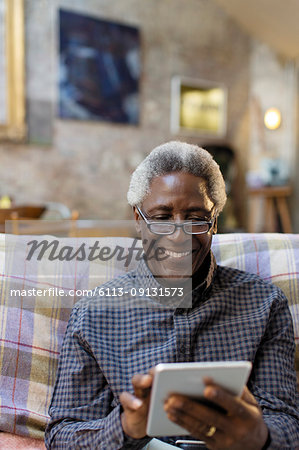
177	156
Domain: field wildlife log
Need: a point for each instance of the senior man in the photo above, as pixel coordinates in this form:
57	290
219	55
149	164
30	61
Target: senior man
102	390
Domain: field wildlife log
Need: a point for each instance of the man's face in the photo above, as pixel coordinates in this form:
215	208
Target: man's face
176	197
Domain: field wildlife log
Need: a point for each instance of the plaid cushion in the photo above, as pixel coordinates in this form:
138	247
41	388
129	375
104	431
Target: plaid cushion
32	327
272	256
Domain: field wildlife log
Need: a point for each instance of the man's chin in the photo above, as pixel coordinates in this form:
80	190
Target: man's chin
176	269
173	277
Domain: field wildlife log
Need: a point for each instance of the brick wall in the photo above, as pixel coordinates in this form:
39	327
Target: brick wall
87	165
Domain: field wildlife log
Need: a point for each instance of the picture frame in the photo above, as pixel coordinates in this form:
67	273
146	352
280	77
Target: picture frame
198	107
12	68
99	69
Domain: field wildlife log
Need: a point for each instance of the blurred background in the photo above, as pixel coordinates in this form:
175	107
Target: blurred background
89	87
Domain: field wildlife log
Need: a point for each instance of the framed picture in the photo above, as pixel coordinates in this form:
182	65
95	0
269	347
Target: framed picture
12	70
99	69
198	107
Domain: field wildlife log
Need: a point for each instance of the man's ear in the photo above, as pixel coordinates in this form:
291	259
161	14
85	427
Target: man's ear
214	229
137	219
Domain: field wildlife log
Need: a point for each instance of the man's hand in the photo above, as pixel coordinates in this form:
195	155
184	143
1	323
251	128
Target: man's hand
134	416
242	427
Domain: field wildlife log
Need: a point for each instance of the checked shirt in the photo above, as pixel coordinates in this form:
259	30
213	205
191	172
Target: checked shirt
234	316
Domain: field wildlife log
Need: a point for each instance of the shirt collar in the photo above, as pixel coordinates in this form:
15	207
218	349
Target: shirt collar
204	287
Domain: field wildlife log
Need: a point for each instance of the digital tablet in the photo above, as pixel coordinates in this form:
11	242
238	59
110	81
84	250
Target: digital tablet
187	379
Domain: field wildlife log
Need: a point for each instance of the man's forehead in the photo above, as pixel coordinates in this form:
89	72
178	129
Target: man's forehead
172	179
169	188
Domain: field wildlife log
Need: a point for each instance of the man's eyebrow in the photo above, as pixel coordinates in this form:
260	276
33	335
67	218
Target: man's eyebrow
198	209
160	208
168	208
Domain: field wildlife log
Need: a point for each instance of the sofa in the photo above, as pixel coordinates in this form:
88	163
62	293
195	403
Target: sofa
38	289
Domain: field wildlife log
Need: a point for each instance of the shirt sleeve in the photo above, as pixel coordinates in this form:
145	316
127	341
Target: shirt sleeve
273	380
83	411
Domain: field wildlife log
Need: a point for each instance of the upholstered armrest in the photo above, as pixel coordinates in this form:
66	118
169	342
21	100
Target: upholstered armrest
12	442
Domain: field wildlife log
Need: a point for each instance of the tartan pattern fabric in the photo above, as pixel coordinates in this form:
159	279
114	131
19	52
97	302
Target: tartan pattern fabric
272	256
32	328
31	337
31	333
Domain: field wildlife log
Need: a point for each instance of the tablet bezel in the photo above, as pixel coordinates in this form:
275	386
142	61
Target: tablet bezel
231	375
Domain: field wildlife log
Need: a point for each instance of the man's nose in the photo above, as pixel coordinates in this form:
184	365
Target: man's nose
179	236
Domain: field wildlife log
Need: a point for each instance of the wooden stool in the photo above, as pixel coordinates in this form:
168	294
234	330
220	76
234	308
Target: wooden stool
275	204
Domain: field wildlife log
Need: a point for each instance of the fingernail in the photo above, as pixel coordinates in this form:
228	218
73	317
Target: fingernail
137	403
146	378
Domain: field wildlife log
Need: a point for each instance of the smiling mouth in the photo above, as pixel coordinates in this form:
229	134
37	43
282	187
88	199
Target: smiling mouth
177	254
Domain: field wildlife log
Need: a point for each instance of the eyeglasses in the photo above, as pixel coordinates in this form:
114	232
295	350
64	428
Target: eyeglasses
200	227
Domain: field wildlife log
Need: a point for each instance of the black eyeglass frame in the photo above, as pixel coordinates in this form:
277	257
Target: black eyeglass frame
176	225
